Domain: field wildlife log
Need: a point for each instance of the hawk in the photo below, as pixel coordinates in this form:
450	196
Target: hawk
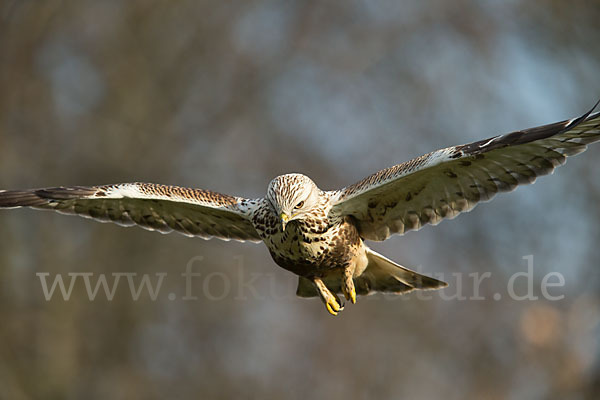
320	235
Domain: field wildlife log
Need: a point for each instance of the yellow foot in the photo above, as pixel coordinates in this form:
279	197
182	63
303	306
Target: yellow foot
351	295
333	306
348	286
331	301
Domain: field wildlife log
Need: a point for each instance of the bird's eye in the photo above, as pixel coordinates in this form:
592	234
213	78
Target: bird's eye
300	205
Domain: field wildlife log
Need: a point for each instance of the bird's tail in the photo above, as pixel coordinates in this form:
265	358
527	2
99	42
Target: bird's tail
381	275
384	275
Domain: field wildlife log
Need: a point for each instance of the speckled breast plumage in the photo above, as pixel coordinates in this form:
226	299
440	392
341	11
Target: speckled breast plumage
308	247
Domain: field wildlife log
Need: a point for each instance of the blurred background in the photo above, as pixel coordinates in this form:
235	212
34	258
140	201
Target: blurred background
227	95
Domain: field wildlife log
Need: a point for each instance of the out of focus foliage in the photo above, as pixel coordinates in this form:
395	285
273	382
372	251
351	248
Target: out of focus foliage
227	95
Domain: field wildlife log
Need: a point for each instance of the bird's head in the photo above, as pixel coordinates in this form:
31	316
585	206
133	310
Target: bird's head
292	196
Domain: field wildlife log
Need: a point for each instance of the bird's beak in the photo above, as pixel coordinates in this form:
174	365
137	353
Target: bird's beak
284	220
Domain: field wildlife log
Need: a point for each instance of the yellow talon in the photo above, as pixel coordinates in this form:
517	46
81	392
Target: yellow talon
352	296
333	306
348	286
331	309
329	299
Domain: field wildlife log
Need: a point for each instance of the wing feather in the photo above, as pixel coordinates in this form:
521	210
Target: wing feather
193	212
442	184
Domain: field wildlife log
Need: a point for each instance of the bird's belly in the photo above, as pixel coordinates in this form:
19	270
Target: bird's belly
298	254
312	255
303	266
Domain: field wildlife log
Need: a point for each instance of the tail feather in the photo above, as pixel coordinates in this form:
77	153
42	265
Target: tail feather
384	275
381	275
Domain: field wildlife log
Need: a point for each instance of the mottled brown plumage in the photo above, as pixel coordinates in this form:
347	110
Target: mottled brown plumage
319	235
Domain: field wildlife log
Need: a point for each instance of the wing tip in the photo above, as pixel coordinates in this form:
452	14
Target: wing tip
20	198
41	197
572	123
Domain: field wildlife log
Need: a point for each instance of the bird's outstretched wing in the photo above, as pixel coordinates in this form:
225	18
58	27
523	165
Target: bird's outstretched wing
447	182
193	212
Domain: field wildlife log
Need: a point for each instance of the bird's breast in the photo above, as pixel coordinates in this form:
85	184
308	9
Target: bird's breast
303	251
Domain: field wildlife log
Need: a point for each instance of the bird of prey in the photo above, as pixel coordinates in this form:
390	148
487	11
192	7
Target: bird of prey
320	235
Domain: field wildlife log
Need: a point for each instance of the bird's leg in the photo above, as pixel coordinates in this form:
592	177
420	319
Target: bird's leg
348	283
330	300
